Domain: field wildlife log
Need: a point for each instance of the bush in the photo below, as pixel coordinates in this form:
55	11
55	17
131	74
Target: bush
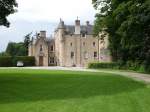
6	61
27	60
98	65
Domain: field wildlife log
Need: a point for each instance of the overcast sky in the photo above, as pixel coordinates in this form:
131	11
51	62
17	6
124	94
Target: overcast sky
36	15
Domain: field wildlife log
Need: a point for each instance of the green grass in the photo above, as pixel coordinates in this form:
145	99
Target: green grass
66	91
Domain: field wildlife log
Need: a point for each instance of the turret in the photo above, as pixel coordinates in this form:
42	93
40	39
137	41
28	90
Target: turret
61	36
61	29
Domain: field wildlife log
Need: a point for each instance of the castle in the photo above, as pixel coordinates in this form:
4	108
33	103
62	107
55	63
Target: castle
71	45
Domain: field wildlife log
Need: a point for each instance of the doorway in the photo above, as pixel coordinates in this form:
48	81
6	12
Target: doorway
41	61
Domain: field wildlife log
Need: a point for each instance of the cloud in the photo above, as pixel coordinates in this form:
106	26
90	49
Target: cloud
52	10
35	15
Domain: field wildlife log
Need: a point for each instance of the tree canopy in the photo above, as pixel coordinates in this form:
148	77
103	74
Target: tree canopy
7	7
128	25
18	49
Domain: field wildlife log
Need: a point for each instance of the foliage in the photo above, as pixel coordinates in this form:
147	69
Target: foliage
27	41
16	49
128	25
6	61
27	60
4	54
7	7
19	49
120	65
98	65
9	61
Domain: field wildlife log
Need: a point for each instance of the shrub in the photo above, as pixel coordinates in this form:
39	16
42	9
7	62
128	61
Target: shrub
6	61
135	66
97	65
27	60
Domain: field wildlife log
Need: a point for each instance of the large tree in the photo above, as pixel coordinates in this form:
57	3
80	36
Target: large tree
128	25
7	7
27	39
16	49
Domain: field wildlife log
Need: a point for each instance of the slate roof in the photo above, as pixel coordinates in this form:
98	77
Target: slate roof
70	29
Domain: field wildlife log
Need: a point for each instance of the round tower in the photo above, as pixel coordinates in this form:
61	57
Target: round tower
61	36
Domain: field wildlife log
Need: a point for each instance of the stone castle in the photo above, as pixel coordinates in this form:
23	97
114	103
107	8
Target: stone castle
71	46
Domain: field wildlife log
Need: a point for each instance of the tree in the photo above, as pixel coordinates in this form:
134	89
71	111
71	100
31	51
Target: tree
7	7
4	54
27	41
16	49
128	25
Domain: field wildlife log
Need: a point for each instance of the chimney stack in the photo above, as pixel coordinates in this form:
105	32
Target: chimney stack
87	23
77	26
77	22
43	34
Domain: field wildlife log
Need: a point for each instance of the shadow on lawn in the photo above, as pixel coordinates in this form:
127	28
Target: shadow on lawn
27	87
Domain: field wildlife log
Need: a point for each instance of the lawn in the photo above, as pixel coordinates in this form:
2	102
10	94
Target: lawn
66	91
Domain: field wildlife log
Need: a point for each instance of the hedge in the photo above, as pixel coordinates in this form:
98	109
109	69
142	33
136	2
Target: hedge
97	65
8	61
27	60
135	66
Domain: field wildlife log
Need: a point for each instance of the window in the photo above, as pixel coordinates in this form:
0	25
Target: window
83	43
72	55
70	44
41	48
85	55
94	44
52	48
51	60
95	54
83	34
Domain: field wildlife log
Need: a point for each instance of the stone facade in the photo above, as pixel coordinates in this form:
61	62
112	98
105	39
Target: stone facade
71	45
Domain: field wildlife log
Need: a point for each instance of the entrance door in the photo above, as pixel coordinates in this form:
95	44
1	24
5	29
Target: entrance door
41	61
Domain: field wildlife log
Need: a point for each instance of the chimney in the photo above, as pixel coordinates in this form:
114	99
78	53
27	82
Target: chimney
77	26
43	34
61	24
87	23
77	22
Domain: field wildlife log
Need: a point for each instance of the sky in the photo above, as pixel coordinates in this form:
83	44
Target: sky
36	15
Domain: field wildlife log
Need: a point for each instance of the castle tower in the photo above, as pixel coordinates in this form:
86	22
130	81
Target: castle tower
61	30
